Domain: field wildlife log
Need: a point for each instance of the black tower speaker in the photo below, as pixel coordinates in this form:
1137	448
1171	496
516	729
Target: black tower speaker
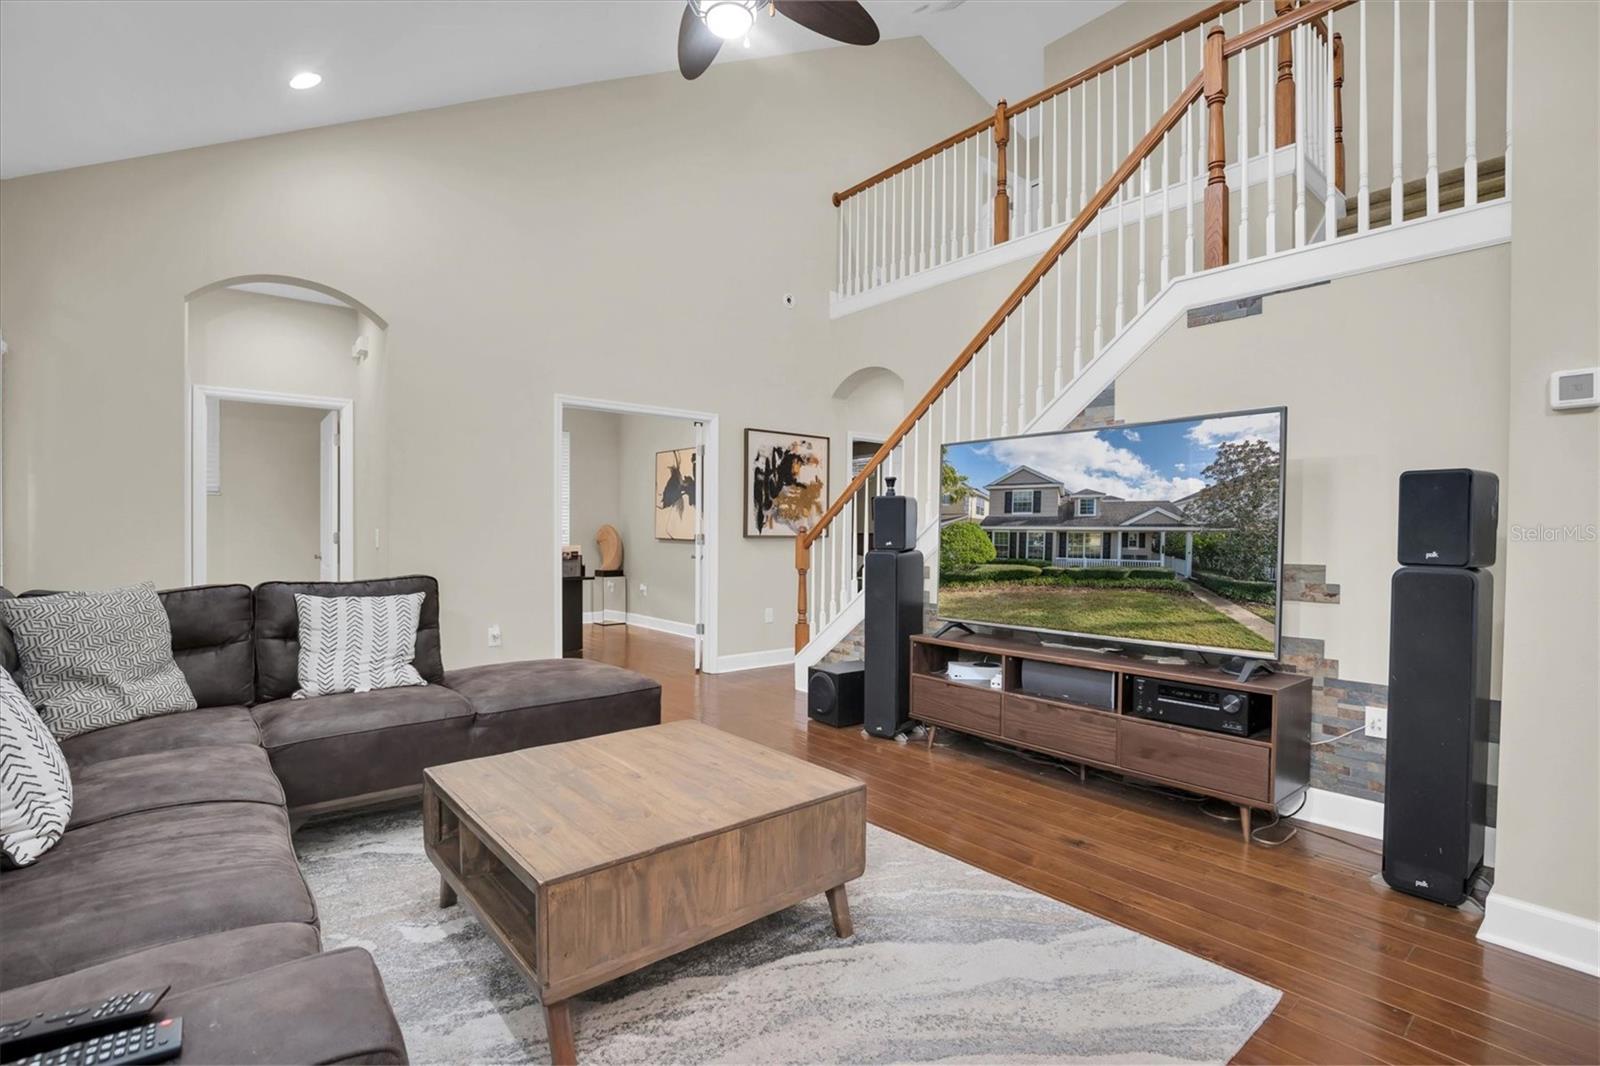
1436	773
1448	517
894	521
893	617
836	691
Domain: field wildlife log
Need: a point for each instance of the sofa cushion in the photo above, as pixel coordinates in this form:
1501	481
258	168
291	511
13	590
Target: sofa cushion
130	883
354	743
133	784
278	628
328	1008
35	787
545	701
9	662
212	627
95	659
183	964
190	729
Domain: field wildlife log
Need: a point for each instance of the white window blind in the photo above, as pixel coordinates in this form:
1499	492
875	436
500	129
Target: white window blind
213	446
566	489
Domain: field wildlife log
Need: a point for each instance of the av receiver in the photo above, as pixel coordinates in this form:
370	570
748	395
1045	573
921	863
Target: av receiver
1219	710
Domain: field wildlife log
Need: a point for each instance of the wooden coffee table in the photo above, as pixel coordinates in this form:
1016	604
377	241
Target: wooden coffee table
591	859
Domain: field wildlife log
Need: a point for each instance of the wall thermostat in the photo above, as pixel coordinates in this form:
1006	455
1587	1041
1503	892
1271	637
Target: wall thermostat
1575	388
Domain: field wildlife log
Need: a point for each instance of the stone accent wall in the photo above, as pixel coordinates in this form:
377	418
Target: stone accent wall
1308	583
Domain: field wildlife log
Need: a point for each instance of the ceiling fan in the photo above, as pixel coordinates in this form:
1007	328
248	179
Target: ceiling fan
707	23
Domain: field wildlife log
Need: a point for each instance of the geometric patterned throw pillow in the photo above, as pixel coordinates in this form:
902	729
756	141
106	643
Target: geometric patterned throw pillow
357	643
96	659
35	791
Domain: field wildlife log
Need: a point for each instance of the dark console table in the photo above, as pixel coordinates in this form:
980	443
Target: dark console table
1257	772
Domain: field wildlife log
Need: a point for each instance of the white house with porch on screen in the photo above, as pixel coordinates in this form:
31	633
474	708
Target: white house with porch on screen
1033	516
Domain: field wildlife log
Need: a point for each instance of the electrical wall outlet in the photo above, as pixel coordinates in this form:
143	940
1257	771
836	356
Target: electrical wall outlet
1378	722
494	635
766	616
643	590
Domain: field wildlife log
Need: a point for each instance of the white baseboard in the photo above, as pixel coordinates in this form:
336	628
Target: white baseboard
751	660
1552	935
1361	816
660	625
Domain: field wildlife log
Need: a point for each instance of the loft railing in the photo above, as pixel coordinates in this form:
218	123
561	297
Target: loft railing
1173	199
1030	165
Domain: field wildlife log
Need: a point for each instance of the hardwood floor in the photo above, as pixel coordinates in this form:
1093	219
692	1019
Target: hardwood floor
1368	975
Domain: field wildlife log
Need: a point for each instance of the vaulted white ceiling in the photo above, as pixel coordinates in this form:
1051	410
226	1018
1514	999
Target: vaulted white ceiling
96	80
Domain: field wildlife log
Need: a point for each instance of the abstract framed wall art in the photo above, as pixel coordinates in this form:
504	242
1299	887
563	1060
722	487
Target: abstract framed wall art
677	494
786	482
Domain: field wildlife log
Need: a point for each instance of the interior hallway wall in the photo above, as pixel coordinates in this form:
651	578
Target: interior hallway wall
265	524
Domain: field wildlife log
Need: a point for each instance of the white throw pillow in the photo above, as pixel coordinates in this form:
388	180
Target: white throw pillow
357	643
35	790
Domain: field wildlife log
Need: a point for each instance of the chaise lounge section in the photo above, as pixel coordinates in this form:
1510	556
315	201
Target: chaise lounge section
178	865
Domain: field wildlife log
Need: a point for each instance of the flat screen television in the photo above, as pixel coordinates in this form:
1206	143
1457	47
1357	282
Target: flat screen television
1156	534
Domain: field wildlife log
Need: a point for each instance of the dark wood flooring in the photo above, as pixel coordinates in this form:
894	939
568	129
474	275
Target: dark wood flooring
1368	975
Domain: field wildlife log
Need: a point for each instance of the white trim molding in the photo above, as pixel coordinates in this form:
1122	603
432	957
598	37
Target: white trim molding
750	660
660	625
1543	932
1352	814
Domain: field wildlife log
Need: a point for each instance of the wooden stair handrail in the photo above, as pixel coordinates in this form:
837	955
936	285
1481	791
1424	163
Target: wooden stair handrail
1160	37
1312	12
1119	177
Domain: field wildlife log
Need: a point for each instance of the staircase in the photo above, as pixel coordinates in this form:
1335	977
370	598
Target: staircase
1236	186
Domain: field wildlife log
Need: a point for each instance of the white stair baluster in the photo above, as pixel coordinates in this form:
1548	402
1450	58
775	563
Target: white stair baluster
1433	108
1188	169
1472	107
1363	193
1511	14
988	389
1060	269
1144	189
1121	196
895	269
1055	158
1269	112
1038	331
1005	376
1166	185
1330	190
1397	190
1099	220
1022	363
1300	128
1244	149
1077	317
839	223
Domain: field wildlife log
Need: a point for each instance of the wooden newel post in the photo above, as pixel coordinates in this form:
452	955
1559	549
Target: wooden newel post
802	625
1216	204
1283	104
1338	109
1002	201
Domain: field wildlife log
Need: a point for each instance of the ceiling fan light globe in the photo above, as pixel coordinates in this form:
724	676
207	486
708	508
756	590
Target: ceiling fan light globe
728	19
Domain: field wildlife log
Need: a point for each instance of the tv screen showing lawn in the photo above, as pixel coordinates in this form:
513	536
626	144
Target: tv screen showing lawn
1157	533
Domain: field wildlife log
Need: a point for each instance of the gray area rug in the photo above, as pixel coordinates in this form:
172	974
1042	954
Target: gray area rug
948	963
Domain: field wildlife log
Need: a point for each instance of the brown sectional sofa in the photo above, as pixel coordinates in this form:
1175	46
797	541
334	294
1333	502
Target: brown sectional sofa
178	866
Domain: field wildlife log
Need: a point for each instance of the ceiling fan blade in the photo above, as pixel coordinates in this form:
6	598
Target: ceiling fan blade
840	20
697	46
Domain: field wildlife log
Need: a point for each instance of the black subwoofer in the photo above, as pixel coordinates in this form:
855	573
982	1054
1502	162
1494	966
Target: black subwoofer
835	692
1448	517
1436	768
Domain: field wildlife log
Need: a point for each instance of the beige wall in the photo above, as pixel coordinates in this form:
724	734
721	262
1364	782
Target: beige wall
606	240
1549	811
1402	385
265	524
594	478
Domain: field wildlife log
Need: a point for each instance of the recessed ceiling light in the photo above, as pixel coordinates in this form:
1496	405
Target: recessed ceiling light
306	79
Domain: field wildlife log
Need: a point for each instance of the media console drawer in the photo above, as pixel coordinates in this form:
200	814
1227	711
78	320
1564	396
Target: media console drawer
966	707
1236	767
1064	730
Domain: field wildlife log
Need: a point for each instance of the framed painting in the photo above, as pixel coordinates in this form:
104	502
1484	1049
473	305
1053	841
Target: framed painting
786	482
677	494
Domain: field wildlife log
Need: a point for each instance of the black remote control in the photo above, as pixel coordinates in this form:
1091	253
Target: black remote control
53	1027
155	1041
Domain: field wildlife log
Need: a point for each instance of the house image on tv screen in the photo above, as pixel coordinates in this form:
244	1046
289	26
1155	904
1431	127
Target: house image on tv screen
1035	517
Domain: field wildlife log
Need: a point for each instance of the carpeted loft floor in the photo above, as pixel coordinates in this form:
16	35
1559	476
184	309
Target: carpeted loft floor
948	963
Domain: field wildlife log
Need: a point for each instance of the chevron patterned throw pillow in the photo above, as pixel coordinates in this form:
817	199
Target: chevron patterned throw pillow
96	659
357	643
35	791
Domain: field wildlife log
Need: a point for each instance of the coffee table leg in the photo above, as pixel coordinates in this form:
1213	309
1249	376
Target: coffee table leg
839	906
447	895
558	1025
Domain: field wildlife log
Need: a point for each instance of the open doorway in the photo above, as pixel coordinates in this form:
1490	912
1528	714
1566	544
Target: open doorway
282	482
274	489
646	476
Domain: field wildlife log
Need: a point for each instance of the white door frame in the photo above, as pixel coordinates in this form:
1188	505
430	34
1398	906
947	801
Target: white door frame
709	523
195	497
